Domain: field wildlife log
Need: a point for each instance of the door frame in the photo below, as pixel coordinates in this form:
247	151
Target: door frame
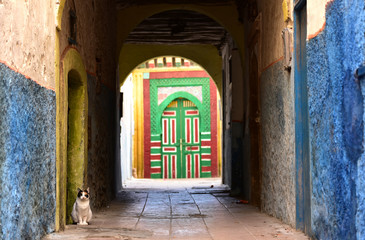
180	142
302	149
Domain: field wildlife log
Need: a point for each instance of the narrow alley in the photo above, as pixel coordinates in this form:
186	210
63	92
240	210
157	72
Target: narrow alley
264	98
201	210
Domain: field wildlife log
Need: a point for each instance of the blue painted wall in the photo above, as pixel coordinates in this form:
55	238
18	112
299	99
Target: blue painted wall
336	122
27	157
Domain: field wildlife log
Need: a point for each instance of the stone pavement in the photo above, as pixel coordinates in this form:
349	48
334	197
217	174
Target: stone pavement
182	209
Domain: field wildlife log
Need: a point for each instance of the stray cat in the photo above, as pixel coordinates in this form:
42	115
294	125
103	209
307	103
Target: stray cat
81	212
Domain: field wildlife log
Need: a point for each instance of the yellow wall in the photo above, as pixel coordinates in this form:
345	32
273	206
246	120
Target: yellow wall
219	134
138	136
129	18
70	61
206	55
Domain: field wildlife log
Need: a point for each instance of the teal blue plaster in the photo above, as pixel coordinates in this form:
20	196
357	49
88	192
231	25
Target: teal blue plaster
146	75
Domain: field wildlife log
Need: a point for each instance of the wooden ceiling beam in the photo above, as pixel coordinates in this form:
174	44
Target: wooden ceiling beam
178	27
122	4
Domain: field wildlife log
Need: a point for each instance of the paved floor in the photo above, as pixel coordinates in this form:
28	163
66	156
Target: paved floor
199	209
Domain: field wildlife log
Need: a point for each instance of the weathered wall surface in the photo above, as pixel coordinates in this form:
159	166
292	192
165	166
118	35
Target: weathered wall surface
100	144
272	25
336	123
277	115
27	119
277	121
27	38
316	15
27	157
95	41
226	128
95	36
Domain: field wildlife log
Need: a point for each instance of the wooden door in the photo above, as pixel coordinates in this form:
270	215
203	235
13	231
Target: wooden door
181	140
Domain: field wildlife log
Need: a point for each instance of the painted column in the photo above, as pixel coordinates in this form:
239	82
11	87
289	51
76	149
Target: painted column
138	134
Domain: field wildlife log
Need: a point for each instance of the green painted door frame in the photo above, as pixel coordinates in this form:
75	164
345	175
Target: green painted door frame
181	140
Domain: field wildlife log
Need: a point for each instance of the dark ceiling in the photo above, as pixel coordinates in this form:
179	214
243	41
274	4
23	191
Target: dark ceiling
129	3
178	27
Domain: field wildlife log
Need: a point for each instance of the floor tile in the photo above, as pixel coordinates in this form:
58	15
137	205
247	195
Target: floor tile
181	209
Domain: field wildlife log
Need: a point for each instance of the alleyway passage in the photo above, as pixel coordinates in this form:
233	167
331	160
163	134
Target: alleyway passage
202	212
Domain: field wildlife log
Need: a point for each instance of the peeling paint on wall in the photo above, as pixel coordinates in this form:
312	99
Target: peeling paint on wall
336	126
27	39
27	157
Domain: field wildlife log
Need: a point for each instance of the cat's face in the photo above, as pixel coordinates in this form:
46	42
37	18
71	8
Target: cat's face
83	194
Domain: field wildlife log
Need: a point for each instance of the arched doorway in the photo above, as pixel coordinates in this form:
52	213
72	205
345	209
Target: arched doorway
158	84
76	163
143	41
72	148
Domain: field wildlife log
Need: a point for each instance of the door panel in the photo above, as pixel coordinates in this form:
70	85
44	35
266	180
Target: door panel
181	140
170	145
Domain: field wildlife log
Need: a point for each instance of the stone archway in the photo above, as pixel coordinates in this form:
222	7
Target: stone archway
206	55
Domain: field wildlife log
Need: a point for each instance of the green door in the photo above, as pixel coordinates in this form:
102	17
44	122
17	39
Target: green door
181	140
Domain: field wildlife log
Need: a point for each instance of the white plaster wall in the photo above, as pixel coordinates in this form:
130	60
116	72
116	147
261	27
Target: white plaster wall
316	16
27	38
127	129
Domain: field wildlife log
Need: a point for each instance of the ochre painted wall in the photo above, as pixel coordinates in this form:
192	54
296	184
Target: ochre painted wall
138	134
272	25
70	61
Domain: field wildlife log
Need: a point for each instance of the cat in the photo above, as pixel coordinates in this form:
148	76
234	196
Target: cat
81	212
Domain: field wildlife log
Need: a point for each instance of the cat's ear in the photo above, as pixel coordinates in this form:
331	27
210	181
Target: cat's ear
79	190
88	190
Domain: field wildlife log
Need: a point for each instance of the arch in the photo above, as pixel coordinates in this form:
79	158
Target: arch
226	15
72	87
59	11
205	55
174	96
194	81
